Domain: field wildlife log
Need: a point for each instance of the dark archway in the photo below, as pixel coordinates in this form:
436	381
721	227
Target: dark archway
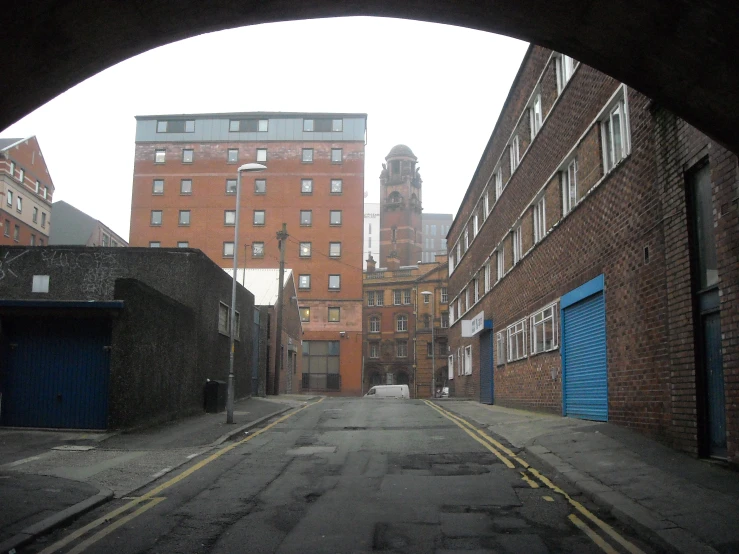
679	52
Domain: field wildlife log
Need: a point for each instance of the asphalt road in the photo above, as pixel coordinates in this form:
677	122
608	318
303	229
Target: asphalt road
351	475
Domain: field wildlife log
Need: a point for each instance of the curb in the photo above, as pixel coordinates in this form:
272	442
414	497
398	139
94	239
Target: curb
56	520
223	438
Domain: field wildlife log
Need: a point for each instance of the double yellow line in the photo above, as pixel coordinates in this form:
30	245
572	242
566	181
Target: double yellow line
151	498
508	457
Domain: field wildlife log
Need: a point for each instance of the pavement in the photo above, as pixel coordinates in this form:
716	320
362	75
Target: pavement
685	504
48	478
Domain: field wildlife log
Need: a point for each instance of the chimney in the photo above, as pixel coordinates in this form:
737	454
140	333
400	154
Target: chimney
370	264
393	261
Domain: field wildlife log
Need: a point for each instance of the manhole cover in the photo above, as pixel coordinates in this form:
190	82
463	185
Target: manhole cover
73	448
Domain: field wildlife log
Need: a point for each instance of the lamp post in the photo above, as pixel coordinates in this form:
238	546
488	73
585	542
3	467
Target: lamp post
428	294
248	168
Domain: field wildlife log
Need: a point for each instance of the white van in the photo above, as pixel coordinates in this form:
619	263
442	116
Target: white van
389	391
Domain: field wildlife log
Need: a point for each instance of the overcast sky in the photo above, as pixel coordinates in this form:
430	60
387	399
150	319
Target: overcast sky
438	89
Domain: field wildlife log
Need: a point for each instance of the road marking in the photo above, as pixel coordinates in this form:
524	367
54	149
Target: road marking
24	461
191	456
158	474
155	492
548	498
592	535
533	484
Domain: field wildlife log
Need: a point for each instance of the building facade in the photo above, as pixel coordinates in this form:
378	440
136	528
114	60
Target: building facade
591	266
435	228
75	227
26	192
371	232
184	195
398	346
400	207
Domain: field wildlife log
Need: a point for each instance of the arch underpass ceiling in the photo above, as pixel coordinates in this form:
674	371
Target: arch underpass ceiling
682	53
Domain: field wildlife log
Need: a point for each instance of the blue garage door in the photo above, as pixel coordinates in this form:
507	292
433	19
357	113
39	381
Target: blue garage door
486	367
57	374
584	371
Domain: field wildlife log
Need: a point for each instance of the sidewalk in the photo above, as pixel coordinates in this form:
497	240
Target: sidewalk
49	477
688	504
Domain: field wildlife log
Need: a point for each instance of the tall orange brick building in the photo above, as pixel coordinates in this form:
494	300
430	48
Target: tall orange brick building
184	194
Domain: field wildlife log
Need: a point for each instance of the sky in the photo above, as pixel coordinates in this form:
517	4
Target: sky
435	88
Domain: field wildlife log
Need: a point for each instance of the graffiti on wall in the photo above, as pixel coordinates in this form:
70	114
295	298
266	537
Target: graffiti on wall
97	270
6	262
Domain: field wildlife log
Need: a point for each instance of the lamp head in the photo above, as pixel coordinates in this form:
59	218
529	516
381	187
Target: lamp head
250	168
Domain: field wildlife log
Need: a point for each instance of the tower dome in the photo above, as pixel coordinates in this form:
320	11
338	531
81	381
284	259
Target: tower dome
401	151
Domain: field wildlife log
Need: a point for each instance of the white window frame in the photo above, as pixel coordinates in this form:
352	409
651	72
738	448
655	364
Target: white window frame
498	183
565	67
475	225
515	331
223	326
538	321
375	323
476	285
568	177
401	323
451	263
466	239
517	244
406	297
500	262
374	350
467	304
607	143
261	154
451	314
404	344
460	311
468	359
460	362
501	346
380	297
450	361
540	219
514	154
485	204
488	283
397	297
535	115
444	296
459	252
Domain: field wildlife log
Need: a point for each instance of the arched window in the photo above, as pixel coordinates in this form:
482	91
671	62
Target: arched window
401	323
374	324
395	197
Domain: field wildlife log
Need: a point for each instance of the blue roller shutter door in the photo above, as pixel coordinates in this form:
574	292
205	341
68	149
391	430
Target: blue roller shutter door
486	367
585	375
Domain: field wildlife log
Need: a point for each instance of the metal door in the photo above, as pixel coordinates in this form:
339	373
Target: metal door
584	369
57	374
486	367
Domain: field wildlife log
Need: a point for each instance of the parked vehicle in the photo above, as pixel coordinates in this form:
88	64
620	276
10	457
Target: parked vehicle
388	391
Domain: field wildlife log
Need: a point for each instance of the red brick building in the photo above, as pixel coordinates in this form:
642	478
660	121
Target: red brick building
593	263
26	192
184	189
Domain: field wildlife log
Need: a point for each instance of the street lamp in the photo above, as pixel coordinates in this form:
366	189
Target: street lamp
428	294
248	168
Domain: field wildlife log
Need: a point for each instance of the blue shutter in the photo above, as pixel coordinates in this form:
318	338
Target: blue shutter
486	367
584	370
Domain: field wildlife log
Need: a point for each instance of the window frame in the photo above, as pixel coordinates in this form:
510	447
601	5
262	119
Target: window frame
180	221
160	156
306	222
334	276
331	246
514	331
235	158
300	250
341	186
401	323
619	104
152	223
341	155
310	156
515	154
535	115
257	182
304	277
223	250
303	183
468	359
375	324
304	312
184	192
184	155
331	215
254	247
235	186
374	350
154	183
255	223
567	176
337	311
261	155
225	218
501	341
517	238
401	348
541	323
540	219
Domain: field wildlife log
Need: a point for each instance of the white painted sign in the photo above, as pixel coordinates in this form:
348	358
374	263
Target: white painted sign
470	327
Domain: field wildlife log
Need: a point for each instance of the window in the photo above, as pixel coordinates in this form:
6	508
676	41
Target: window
155	244
106	239
401	323
43	219
444	296
429	349
467	304
306	218
229	217
19	203
540	220
407	296
248	125
544	330
334	282
6	228
371	298
485	205
184	217
476	288
305	250
535	116
488	282
569	187
308	155
334	249
501	347
450	360
33	240
261	154
228	249
501	263
305	314
40	241
22	175
259	217
466	240
233	155
615	136
374	324
335	217
12	169
565	68
176	126
16	233
183	244
397	297
260	186
35	215
336	186
475	226
156	217
187	155
304	282
308	125
157	186
468	360
380	297
426	299
223	318
186	186
306	186
230	186
402	348
498	183
337	125
257	250
451	262
336	155
459	252
517	244
38	186
460	310
334	315
9	198
514	153
451	313
46	191
374	350
517	341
